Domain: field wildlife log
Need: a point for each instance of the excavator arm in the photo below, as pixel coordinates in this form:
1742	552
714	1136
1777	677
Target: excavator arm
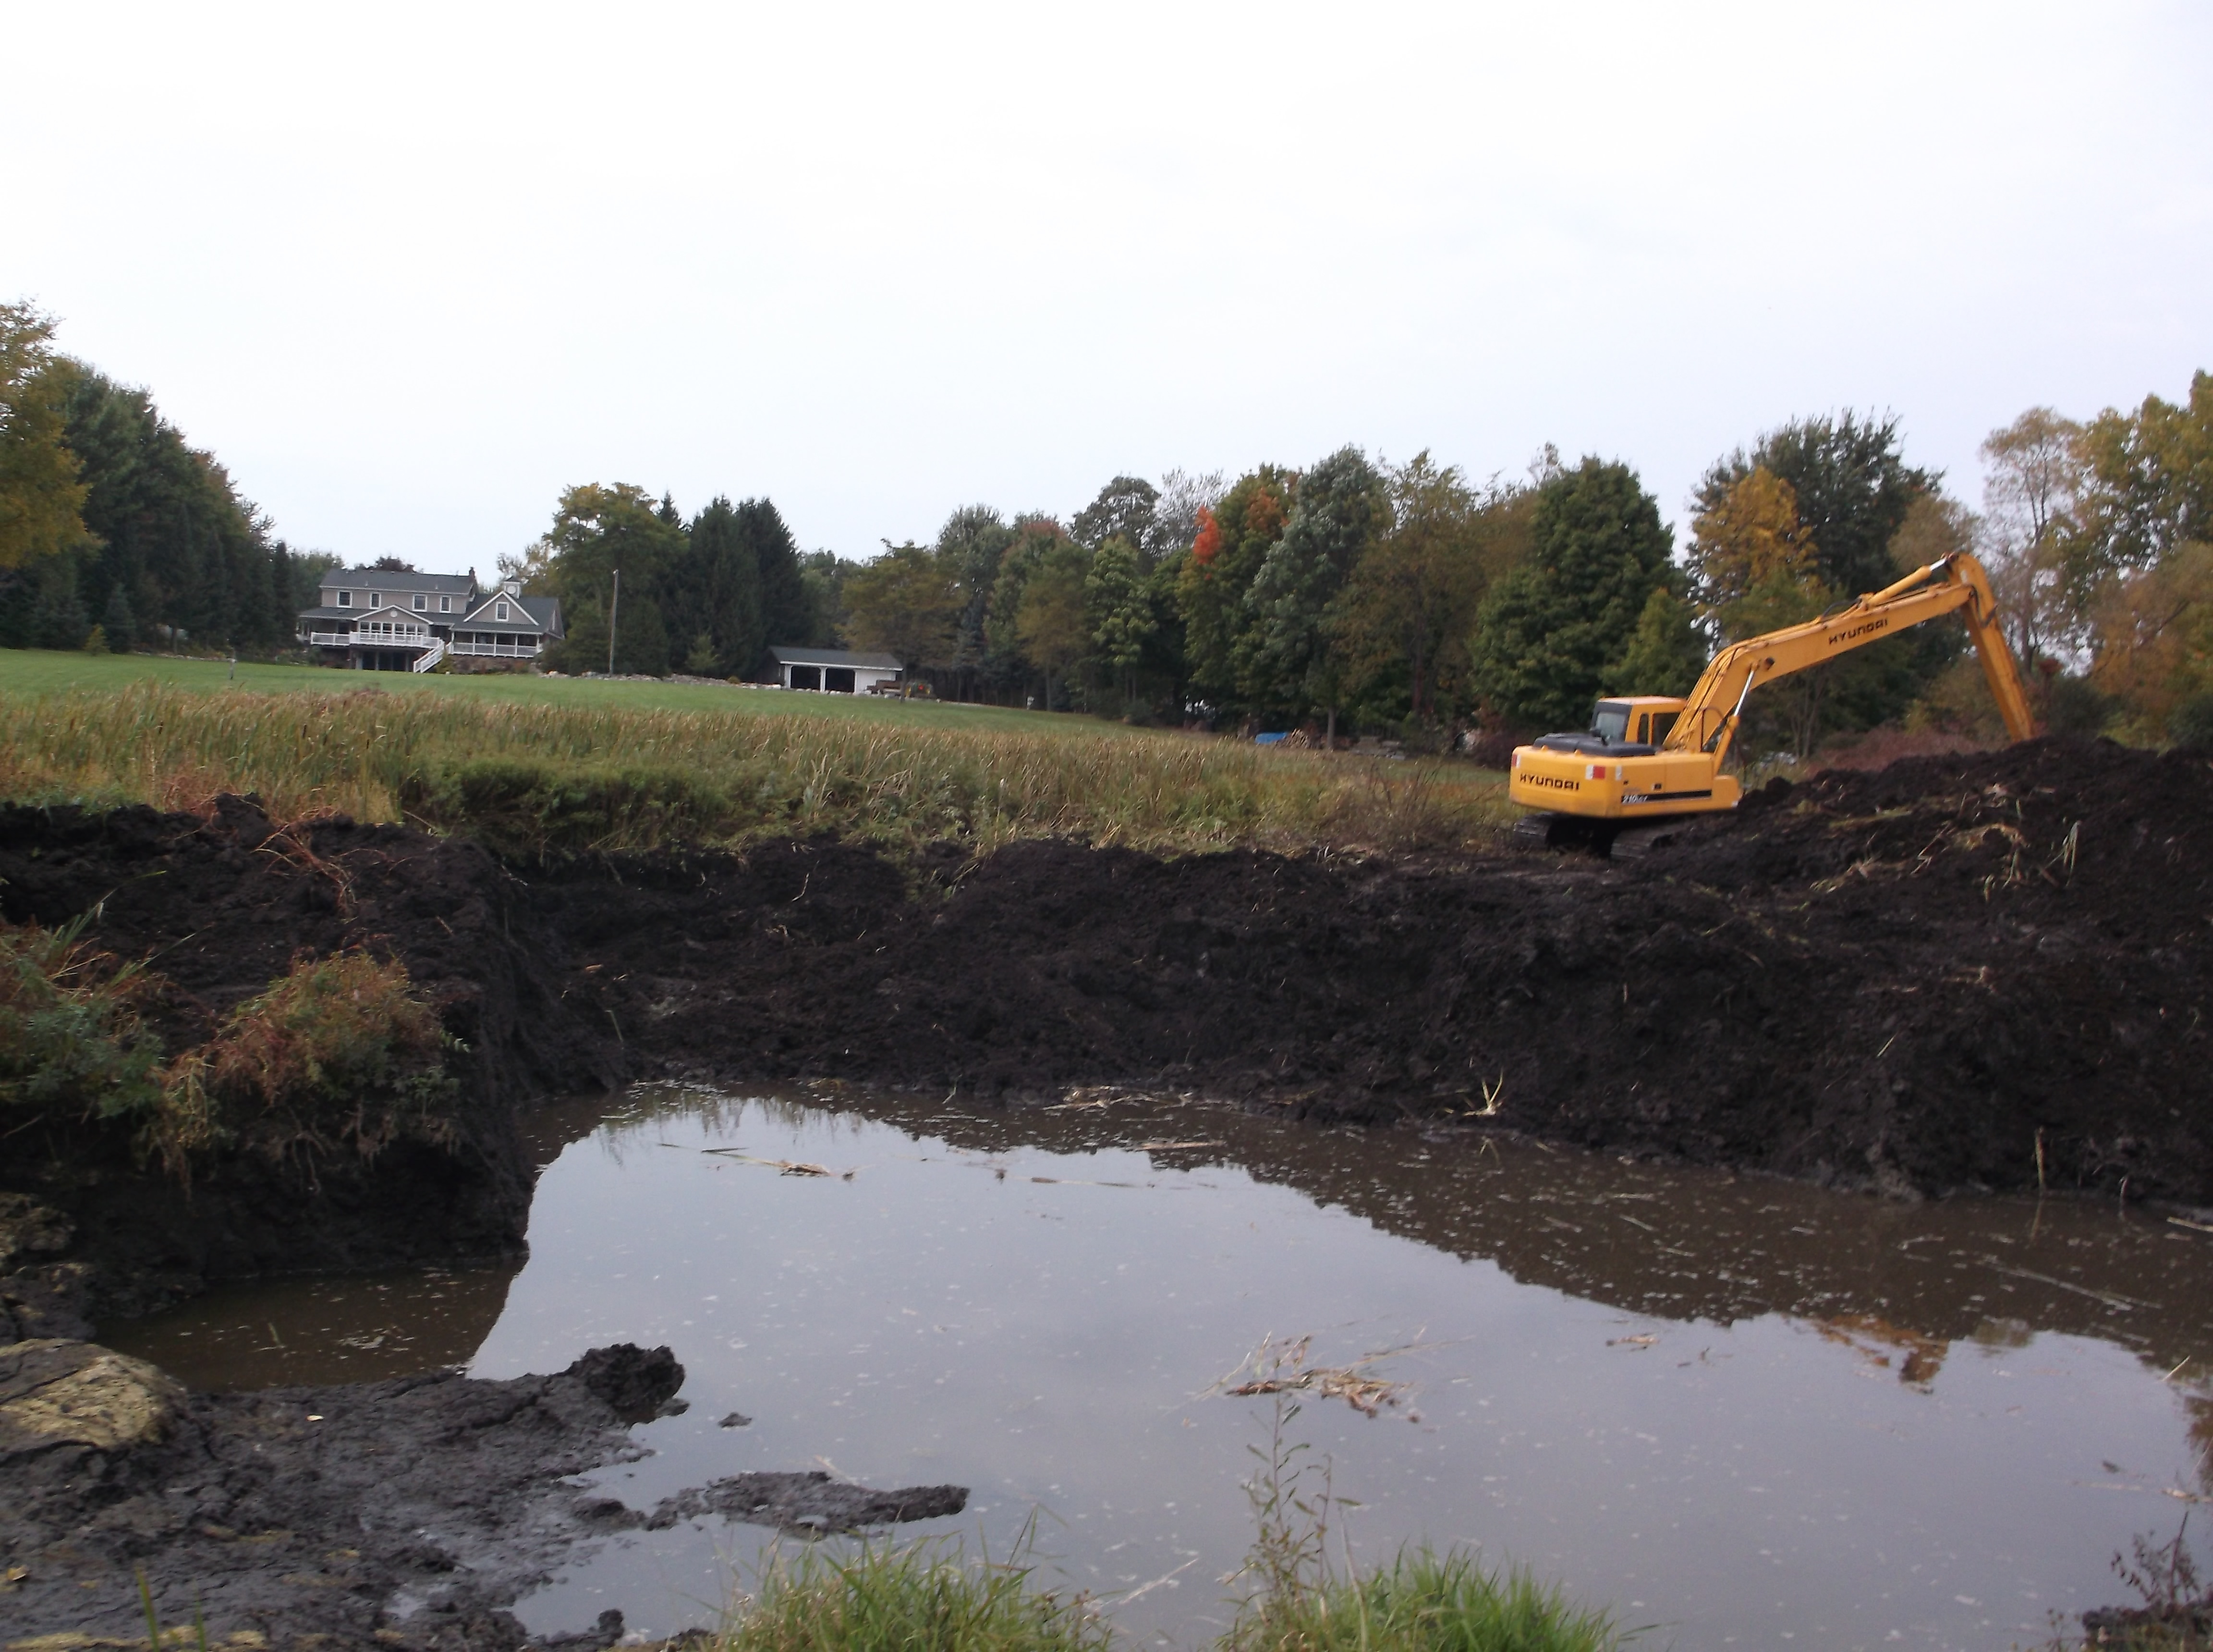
1956	584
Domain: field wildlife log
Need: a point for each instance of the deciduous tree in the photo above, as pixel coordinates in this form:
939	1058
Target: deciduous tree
906	602
41	493
1284	661
1118	606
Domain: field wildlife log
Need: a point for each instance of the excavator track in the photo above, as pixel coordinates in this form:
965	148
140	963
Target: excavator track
1605	839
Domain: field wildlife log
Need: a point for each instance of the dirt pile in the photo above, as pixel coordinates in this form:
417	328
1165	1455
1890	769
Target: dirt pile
1946	973
403	1514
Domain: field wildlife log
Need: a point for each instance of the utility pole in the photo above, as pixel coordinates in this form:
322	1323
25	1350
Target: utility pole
614	614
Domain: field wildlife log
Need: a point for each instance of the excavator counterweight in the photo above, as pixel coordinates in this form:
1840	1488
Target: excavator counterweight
1645	758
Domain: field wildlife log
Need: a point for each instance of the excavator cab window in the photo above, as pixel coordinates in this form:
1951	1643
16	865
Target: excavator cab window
1663	724
1609	722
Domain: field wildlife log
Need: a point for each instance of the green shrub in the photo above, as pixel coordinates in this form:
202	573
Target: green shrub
72	1043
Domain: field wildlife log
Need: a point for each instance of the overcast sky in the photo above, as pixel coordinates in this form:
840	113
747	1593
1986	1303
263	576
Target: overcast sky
408	271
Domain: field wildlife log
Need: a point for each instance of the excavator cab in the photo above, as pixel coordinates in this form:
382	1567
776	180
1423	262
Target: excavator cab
1619	769
1644	721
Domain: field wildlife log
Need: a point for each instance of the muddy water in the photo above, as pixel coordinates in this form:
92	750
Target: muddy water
1749	1412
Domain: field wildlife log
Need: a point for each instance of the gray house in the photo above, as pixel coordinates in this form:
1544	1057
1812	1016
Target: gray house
379	619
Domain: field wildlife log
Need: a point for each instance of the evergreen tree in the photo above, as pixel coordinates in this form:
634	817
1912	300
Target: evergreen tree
1554	635
789	607
721	598
175	537
117	623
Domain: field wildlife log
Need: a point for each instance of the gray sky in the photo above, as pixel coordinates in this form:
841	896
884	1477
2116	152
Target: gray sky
409	270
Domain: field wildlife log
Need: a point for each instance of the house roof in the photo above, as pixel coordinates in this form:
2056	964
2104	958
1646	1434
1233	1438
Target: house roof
791	656
540	614
386	579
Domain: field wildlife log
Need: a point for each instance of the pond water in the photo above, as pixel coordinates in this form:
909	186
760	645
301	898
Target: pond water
1742	1410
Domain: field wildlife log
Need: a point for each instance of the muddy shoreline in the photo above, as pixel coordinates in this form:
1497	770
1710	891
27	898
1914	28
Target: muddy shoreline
409	1514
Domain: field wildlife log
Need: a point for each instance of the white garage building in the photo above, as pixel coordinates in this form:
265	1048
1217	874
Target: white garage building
834	671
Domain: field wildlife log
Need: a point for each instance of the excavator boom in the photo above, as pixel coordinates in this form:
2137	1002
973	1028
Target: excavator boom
1651	758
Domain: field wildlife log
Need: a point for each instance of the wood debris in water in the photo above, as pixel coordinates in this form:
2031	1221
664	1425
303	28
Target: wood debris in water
782	1167
1281	1368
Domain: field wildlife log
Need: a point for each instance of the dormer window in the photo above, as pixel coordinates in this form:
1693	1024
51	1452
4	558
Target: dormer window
345	599
421	602
445	605
502	612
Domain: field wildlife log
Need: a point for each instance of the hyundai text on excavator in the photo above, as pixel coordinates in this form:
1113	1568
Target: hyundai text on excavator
1651	759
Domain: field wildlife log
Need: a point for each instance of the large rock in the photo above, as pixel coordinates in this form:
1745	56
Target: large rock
64	1394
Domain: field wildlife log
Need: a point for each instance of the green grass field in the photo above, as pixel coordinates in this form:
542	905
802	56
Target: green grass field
39	671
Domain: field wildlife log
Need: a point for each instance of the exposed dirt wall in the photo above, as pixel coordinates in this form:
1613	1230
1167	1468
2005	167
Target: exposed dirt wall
1959	970
1911	978
219	906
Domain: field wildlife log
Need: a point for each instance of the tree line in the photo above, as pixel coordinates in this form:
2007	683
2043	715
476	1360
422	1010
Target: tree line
115	532
1351	593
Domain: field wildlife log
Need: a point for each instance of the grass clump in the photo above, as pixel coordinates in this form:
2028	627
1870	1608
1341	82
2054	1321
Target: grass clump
340	1050
1422	1602
916	1597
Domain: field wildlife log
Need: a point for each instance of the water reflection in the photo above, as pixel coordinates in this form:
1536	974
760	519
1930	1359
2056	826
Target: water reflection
355	1328
1741	1408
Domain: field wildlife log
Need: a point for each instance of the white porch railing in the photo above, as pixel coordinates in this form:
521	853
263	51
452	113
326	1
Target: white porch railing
430	656
408	636
521	650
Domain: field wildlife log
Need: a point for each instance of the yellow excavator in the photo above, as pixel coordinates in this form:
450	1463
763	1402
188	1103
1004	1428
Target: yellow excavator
1647	758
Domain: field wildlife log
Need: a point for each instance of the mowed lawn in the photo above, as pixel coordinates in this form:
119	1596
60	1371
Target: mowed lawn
41	671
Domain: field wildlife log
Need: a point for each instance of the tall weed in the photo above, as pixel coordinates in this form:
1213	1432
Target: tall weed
535	778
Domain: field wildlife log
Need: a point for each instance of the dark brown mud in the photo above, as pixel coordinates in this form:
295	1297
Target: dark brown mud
1959	972
405	1513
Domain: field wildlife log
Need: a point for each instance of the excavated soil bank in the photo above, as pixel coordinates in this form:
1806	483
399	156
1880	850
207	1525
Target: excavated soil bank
1957	972
1969	971
299	1516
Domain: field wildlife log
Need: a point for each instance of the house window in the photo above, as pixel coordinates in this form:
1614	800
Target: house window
445	605
502	612
345	599
421	602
